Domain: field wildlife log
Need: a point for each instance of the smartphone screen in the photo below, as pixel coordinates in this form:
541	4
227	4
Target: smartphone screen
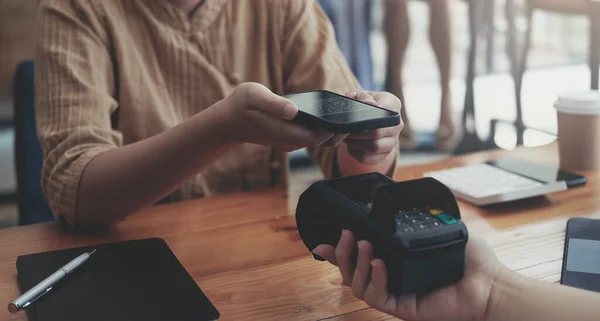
584	256
581	259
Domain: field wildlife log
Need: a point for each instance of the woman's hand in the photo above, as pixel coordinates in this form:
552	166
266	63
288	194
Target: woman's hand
256	115
467	300
373	150
373	146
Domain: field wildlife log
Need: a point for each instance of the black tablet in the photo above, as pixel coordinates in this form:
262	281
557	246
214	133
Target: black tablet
125	281
539	172
321	109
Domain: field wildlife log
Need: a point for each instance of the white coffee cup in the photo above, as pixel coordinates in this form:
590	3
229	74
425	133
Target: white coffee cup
579	130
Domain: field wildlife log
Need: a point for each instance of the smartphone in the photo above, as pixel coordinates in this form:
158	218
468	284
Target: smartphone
539	172
322	109
581	257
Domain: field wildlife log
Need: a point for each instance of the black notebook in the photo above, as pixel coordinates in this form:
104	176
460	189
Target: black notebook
127	281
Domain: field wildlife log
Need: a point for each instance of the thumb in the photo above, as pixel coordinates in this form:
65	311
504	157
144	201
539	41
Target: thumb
363	96
255	96
327	252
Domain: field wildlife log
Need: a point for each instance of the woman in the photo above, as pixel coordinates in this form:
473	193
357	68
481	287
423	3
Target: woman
146	100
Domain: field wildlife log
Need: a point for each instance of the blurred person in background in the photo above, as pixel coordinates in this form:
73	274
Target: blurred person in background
143	101
397	30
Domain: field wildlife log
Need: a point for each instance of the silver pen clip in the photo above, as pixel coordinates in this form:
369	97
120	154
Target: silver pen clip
35	299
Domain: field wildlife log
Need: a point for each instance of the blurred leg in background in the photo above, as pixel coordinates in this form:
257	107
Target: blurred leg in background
397	29
352	23
440	35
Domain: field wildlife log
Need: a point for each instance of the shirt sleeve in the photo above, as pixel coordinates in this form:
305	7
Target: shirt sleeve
314	61
75	98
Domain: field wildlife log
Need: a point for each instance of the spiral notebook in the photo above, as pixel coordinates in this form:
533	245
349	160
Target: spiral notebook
138	280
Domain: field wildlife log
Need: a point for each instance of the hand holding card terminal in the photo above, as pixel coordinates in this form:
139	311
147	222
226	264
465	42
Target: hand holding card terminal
414	226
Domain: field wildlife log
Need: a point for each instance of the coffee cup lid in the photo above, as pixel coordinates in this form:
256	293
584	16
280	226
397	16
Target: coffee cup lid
580	103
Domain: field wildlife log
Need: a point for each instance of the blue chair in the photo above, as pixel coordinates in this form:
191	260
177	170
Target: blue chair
33	207
351	20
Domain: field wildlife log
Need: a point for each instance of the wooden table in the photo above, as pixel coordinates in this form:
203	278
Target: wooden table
244	250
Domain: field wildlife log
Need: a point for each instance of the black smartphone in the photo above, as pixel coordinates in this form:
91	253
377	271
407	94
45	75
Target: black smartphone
539	172
581	258
322	109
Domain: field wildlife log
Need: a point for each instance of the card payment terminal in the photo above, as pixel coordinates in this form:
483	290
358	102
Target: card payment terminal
414	226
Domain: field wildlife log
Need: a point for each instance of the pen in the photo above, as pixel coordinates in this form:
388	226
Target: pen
47	284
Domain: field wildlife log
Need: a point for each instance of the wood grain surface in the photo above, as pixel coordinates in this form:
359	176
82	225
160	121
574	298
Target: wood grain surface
243	250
